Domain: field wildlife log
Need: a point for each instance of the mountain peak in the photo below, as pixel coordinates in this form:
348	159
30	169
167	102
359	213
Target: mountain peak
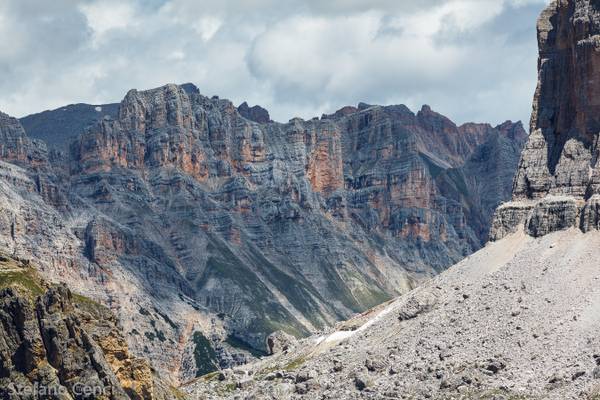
190	88
255	113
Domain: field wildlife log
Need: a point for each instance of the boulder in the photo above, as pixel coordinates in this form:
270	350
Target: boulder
417	303
279	341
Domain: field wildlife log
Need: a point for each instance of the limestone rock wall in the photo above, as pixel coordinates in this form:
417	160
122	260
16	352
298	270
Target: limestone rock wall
55	345
182	206
561	156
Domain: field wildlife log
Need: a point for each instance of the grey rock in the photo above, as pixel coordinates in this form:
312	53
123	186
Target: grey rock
246	226
552	214
362	382
255	113
375	365
305	376
590	215
279	341
418	302
244	383
509	218
306	387
495	366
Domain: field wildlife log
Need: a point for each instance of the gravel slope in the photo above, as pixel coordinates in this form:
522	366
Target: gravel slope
518	319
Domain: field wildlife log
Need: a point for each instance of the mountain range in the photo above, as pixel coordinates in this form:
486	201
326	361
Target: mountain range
206	227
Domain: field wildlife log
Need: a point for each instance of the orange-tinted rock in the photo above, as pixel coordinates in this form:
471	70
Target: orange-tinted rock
192	206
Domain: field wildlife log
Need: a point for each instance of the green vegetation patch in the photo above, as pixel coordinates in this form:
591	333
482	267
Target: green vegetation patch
204	355
96	309
26	280
295	364
228	267
179	395
211	376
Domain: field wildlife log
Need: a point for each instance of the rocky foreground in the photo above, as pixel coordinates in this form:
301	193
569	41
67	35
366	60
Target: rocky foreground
58	345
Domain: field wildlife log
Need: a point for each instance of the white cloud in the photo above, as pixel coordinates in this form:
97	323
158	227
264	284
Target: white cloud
104	16
207	27
470	59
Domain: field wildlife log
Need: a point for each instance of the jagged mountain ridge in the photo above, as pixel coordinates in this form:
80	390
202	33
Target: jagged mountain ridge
180	206
57	128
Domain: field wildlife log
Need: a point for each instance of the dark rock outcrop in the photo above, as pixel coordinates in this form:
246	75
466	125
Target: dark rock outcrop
590	215
15	145
552	214
279	341
255	113
509	218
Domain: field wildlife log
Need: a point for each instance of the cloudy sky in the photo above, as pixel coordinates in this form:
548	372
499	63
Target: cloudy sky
473	60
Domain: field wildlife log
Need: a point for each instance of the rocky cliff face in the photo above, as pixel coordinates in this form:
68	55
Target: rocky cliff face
205	230
558	174
15	145
56	345
505	322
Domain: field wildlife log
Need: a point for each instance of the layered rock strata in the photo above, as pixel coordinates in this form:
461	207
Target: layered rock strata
205	231
560	157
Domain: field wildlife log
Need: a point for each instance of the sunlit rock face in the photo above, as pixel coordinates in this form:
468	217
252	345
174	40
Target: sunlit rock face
56	343
561	157
185	206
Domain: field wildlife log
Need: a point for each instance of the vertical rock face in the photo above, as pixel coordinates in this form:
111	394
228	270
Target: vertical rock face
561	156
206	230
16	146
58	346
